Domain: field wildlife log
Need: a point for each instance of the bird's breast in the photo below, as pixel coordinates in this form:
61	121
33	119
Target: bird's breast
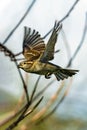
37	66
42	68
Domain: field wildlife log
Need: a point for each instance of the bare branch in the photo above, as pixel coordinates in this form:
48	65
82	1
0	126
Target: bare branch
43	90
21	20
77	50
69	12
9	53
24	114
65	17
66	44
24	111
14	124
80	44
50	113
49	103
59	102
13	115
35	106
35	87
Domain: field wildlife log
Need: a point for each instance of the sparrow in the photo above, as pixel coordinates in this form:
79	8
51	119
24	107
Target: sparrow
38	54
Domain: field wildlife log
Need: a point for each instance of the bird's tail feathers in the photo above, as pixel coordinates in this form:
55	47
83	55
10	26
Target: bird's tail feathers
62	74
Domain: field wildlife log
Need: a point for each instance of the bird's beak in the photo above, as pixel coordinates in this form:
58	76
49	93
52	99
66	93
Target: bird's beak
19	66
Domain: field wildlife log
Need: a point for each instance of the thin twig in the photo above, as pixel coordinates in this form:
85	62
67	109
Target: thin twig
35	106
66	16
21	20
14	114
66	44
49	103
69	12
9	53
35	87
21	100
19	53
12	56
24	110
43	90
76	52
80	44
14	124
24	114
50	113
58	104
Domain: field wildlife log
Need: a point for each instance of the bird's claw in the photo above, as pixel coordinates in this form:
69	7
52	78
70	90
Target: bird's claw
48	76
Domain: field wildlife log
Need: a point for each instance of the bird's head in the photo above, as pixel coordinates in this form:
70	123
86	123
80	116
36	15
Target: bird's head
25	65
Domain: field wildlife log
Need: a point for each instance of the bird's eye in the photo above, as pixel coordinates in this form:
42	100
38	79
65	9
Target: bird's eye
24	63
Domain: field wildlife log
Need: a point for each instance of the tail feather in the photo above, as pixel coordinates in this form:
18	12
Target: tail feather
62	74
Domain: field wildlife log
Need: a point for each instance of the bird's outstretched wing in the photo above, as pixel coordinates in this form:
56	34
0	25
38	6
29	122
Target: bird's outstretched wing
50	47
33	44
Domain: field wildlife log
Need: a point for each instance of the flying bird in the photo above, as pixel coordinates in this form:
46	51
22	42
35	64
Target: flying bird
38	54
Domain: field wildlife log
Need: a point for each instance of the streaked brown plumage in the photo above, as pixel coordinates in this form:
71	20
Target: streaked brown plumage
37	54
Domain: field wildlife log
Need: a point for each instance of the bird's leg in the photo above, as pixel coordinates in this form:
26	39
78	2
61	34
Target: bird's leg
48	76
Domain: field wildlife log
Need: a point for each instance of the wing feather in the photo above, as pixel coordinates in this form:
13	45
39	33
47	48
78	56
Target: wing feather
50	47
33	44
